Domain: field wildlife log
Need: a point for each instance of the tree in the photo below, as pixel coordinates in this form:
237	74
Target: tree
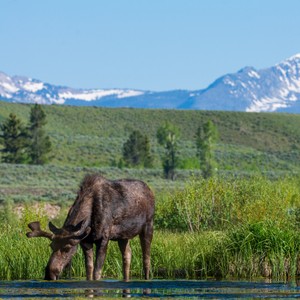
136	150
167	136
13	140
39	144
206	138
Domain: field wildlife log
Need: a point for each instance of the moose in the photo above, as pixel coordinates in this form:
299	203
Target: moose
104	210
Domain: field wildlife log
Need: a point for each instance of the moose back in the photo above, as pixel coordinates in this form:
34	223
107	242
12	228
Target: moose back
103	210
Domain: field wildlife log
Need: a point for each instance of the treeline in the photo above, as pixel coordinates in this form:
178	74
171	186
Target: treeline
136	150
30	144
25	143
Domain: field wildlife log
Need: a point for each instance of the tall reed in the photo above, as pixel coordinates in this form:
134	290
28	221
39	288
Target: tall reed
250	250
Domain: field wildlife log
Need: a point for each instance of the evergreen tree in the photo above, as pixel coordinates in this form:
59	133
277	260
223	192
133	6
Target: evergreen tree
167	136
13	140
136	150
206	138
39	144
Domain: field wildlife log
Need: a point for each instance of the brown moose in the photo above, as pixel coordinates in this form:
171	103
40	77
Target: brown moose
103	210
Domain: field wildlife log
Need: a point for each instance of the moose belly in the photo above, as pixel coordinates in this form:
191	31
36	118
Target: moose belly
126	230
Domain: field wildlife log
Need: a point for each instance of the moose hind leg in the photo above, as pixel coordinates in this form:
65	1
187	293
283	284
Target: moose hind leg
101	248
146	239
126	256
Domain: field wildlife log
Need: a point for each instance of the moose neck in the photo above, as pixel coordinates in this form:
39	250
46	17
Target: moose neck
80	210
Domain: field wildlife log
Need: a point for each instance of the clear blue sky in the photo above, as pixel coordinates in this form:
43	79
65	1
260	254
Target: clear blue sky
144	44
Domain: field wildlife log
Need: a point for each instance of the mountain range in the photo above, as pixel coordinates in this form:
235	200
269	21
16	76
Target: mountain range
276	88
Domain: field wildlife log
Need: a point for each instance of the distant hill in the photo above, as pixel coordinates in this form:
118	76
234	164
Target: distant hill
268	90
93	137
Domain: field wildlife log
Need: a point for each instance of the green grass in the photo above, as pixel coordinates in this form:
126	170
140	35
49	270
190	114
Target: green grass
223	228
251	251
261	249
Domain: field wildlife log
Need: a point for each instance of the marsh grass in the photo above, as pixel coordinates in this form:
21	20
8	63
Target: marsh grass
233	227
16	252
246	252
173	256
259	249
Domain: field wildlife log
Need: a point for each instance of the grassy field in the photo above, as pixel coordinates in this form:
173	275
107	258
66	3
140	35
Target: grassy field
93	136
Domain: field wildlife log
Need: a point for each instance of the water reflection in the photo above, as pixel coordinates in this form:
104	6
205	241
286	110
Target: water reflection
125	293
150	289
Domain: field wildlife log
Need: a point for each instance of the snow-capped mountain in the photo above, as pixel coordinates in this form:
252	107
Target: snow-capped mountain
24	89
272	89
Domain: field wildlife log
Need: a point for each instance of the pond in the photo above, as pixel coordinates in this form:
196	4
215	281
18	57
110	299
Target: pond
181	289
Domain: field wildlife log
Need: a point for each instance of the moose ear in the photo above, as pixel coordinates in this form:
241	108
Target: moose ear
84	234
80	237
53	228
78	226
75	228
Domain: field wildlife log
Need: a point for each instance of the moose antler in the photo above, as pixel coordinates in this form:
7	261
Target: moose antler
36	231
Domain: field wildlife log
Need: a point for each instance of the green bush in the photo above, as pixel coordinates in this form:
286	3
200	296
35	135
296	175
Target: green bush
218	203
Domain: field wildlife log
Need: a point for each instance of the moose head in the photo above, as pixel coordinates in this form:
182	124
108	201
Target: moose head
64	243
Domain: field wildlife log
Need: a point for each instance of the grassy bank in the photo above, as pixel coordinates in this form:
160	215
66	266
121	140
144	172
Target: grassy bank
252	251
233	227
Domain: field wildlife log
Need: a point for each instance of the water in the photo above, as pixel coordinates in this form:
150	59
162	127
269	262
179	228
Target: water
180	289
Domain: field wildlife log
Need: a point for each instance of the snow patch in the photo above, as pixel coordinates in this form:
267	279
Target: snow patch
293	97
8	96
254	74
58	101
130	93
266	105
33	86
296	56
9	87
91	95
229	82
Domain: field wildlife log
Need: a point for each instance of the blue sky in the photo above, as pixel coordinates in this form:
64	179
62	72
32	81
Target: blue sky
150	45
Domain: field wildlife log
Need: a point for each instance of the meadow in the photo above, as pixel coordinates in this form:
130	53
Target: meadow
94	136
243	223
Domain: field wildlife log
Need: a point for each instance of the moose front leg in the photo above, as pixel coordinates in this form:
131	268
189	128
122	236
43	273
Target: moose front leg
101	248
87	249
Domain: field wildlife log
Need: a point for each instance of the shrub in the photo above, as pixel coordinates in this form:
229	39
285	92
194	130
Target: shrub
218	203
